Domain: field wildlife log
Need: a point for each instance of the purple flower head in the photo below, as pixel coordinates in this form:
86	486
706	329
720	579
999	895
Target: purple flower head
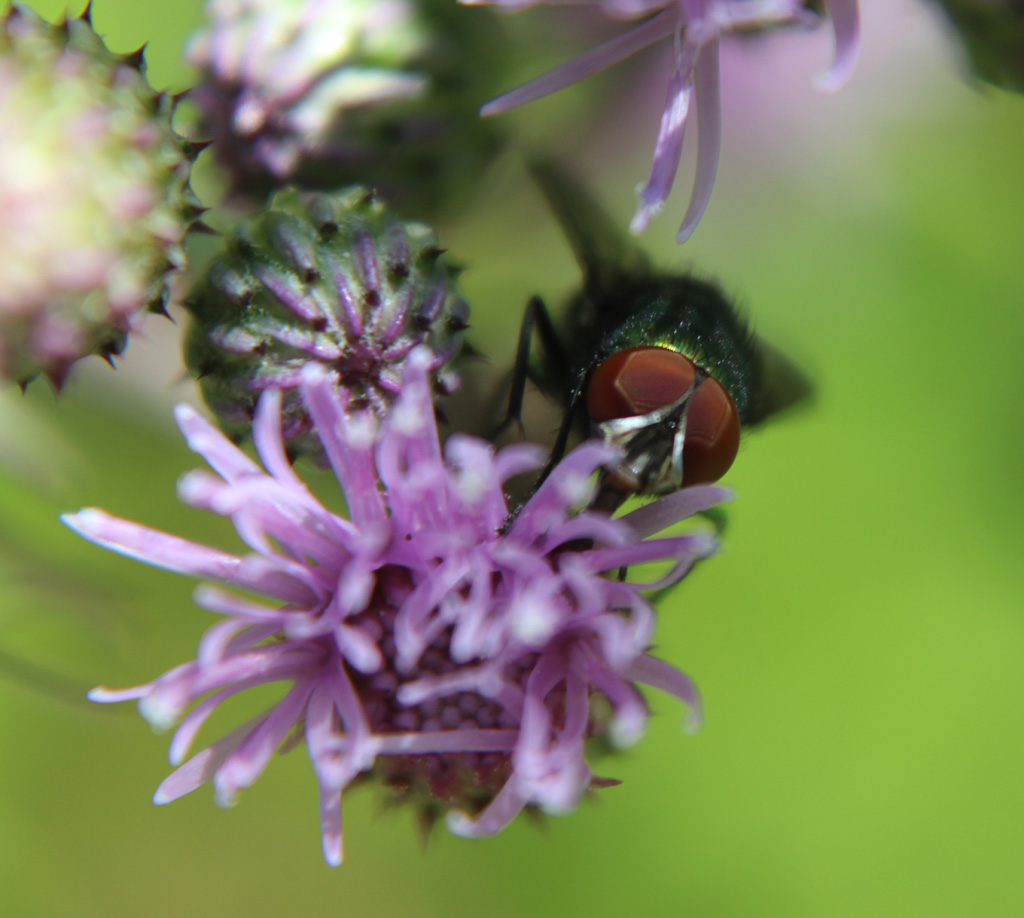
696	26
419	644
324	93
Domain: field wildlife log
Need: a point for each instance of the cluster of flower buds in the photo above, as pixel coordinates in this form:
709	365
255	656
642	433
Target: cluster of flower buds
459	648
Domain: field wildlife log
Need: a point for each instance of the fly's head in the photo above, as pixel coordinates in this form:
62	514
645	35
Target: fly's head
675	424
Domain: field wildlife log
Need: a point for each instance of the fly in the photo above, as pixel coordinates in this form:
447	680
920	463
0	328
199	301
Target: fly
658	364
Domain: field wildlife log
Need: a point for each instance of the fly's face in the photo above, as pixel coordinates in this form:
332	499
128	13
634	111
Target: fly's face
671	376
675	424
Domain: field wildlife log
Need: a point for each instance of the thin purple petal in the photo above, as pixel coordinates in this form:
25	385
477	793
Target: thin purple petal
709	137
587	64
673	508
330	826
201	767
226	459
845	18
654	672
499	813
669	146
470	740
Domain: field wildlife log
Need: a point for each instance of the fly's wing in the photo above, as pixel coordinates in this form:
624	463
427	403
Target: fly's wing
603	251
784	386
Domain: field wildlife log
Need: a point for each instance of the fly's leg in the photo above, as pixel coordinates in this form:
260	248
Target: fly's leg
558	450
535	317
572	407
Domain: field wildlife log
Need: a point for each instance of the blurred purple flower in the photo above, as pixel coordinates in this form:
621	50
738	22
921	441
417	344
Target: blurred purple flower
322	93
451	661
696	26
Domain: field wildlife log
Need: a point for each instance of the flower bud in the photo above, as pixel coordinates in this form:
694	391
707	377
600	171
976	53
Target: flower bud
334	279
325	94
94	196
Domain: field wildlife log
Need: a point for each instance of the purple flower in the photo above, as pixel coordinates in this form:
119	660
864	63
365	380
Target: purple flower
697	26
420	645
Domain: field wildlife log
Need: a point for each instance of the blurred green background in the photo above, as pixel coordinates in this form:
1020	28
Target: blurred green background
859	642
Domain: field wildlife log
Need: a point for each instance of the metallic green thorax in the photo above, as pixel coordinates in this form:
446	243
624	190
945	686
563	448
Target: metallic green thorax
331	278
674	311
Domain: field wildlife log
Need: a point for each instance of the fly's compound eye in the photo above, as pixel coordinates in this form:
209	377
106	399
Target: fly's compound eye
712	434
637	381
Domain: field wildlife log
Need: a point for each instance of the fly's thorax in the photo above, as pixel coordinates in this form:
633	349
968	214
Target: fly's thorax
690	316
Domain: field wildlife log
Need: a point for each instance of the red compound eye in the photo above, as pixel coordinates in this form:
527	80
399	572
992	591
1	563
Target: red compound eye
640	380
712	434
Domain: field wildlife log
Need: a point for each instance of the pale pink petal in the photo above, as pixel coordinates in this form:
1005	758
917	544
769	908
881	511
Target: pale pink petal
709	137
672	508
654	672
171	553
587	64
845	18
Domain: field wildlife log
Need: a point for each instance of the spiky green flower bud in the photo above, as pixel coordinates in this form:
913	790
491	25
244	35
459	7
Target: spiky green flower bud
322	94
94	196
331	278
